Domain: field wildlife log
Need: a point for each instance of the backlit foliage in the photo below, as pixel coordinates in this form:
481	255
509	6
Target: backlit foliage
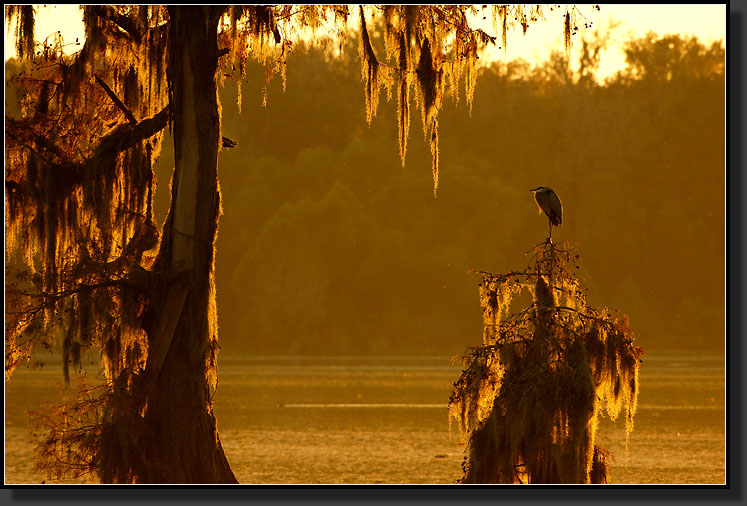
24	29
78	188
529	398
428	46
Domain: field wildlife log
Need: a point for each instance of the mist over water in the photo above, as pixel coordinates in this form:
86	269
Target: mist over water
339	420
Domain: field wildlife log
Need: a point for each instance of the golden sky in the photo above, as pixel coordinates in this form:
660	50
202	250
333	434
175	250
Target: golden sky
706	21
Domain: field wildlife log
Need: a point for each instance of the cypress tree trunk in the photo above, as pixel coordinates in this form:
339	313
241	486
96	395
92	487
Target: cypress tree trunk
183	442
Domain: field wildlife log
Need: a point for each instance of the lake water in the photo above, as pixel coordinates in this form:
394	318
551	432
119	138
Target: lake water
384	420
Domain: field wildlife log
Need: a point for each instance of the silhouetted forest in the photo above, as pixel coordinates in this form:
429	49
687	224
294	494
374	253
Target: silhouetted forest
328	246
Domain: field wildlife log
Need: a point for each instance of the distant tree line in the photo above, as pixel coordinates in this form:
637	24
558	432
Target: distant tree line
329	246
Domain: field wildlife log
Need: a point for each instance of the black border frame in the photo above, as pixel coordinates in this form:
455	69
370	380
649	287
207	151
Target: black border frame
732	492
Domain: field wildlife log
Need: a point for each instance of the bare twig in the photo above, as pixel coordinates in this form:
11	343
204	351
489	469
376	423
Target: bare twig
128	114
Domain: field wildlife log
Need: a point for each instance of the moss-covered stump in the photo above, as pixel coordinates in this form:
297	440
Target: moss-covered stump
529	398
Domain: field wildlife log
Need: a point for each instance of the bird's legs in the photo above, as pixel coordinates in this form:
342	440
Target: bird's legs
549	238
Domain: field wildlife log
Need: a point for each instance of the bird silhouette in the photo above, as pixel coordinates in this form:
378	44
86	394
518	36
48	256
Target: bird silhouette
549	203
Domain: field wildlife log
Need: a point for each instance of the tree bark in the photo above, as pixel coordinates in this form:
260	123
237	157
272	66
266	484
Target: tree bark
183	330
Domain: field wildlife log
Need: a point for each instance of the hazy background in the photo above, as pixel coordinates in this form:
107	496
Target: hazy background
328	246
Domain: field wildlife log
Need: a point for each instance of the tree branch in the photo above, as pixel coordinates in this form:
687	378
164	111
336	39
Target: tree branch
116	100
122	138
126	136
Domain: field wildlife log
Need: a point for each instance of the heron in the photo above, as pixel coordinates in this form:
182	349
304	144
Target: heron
549	202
